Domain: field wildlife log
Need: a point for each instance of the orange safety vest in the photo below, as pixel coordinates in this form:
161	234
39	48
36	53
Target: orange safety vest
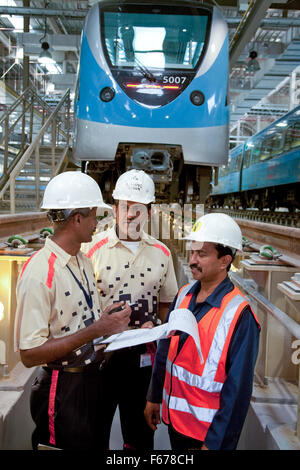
191	394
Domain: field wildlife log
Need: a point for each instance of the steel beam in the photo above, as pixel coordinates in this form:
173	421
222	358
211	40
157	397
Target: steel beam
248	28
274	23
42	12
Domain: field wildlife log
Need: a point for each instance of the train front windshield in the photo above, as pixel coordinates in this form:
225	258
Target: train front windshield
163	44
157	40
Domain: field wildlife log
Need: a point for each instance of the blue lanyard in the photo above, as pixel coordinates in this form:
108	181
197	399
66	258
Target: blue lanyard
88	297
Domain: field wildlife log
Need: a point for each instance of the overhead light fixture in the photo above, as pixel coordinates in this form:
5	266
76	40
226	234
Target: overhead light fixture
253	64
45	56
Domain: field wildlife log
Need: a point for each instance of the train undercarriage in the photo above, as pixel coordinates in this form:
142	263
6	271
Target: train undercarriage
174	180
275	197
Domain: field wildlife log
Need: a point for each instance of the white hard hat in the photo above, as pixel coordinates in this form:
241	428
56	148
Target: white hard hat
72	190
217	228
135	185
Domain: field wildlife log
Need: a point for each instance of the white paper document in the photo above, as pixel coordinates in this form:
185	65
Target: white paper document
180	319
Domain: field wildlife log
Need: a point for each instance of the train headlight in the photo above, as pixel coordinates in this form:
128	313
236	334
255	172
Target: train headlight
197	98
107	94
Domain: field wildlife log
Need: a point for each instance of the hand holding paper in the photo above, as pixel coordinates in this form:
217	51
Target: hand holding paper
180	319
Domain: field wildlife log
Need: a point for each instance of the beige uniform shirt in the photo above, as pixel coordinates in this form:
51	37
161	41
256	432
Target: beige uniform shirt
50	303
146	277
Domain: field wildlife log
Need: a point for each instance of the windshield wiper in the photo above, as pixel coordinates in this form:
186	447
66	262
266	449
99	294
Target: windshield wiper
142	68
146	72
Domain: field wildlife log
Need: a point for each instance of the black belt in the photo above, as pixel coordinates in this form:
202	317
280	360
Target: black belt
74	370
77	370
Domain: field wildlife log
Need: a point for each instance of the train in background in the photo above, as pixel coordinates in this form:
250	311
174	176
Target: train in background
152	94
264	171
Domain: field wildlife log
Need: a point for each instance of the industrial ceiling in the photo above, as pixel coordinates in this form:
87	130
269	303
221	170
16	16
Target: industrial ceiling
271	28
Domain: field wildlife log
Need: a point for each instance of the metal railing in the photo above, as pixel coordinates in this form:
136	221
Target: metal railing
38	125
285	324
268	308
17	124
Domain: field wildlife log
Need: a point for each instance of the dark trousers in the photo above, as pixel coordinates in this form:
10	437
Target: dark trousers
67	410
181	443
126	385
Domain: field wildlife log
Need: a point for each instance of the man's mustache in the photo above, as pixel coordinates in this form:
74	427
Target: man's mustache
196	267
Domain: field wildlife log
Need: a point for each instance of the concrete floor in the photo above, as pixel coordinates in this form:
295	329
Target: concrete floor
161	437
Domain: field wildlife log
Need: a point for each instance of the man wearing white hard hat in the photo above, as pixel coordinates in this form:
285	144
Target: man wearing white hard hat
58	318
133	266
205	404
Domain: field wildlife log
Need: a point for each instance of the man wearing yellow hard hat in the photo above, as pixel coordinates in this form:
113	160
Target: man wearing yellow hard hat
205	404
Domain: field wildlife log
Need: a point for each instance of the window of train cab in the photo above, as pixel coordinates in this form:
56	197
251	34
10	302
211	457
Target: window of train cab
266	149
132	49
292	139
272	145
256	151
247	156
234	163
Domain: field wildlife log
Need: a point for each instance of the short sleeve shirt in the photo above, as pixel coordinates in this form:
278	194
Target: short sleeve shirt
50	303
146	277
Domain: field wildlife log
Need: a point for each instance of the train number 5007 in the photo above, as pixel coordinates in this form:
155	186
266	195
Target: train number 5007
171	79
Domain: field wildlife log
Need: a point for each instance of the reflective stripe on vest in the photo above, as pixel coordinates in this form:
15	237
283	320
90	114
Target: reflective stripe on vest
182	295
206	380
181	404
195	390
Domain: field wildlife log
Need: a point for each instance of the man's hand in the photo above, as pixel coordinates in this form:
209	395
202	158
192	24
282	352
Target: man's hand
110	324
152	414
56	348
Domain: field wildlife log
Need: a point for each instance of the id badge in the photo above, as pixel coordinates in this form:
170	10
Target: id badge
145	360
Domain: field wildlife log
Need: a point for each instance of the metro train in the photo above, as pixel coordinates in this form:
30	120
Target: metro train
152	94
264	171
